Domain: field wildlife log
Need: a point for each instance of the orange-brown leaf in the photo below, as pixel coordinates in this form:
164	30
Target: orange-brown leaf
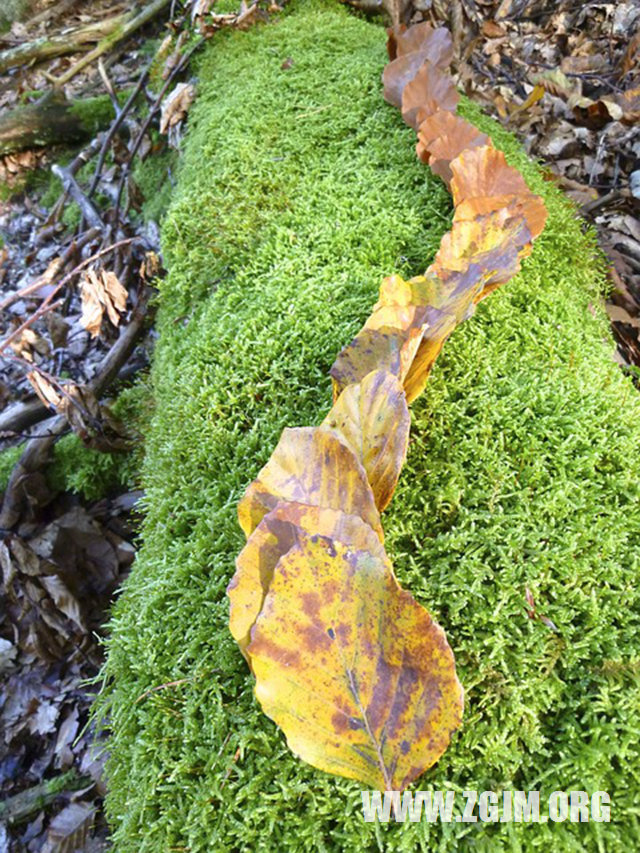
423	37
482	172
310	465
356	673
526	205
474	241
442	137
373	419
430	91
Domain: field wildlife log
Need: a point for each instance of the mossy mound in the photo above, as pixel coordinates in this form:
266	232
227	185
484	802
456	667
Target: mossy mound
299	191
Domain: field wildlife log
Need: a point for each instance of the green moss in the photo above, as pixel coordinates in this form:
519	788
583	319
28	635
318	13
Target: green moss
94	474
299	191
155	179
96	113
8	459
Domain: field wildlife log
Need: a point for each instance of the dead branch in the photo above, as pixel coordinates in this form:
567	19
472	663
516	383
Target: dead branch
49	120
48	47
71	186
129	26
37	450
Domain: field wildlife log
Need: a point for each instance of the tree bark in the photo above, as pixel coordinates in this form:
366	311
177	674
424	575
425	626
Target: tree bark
51	120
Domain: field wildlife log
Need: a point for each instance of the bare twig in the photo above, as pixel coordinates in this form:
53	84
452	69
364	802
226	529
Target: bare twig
181	65
88	209
115	125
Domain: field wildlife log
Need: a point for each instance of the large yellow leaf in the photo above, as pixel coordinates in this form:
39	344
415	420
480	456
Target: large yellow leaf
310	465
285	526
356	673
373	418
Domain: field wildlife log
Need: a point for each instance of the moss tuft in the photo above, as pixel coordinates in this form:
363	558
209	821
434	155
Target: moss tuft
299	191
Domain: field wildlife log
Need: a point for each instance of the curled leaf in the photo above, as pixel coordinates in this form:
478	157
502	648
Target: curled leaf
413	49
373	418
528	206
388	348
354	671
482	172
429	92
437	42
101	293
442	137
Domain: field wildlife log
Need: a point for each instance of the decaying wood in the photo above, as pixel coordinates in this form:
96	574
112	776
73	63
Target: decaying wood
19	807
48	47
50	120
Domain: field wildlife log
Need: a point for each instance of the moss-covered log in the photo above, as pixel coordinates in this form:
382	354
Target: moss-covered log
299	191
48	47
53	120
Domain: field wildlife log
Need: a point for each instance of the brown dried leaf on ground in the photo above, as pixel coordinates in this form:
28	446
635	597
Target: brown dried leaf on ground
101	292
431	45
175	108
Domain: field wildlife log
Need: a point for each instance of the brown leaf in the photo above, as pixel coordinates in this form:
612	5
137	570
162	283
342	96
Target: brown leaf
484	172
101	293
435	46
176	106
430	91
442	137
47	393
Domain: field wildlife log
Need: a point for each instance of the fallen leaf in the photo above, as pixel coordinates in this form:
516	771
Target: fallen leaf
373	418
280	530
429	92
484	172
99	294
434	46
354	671
310	465
176	106
442	137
